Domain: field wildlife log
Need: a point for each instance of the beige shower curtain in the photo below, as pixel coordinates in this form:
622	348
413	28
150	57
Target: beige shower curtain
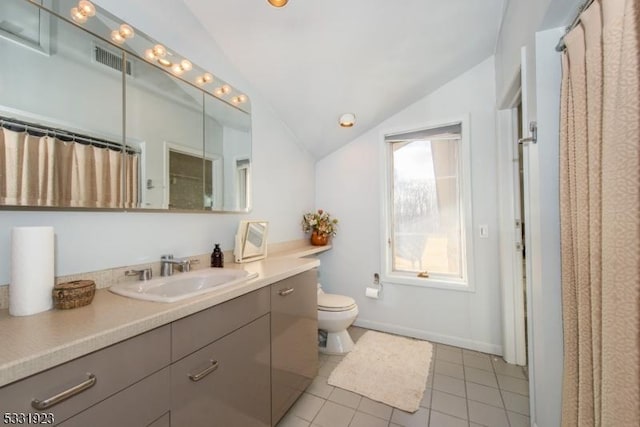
46	171
600	217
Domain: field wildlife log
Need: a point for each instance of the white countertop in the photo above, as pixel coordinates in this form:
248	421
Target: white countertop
32	344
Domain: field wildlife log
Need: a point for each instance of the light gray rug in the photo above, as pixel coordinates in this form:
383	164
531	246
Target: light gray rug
386	368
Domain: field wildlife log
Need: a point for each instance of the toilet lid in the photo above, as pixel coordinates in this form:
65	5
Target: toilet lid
333	302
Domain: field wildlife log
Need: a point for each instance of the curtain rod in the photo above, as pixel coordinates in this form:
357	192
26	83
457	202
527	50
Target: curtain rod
561	46
64	135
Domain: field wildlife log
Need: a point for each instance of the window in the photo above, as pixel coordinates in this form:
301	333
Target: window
427	207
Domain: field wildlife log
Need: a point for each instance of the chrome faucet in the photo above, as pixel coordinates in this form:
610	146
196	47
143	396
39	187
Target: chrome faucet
167	262
144	274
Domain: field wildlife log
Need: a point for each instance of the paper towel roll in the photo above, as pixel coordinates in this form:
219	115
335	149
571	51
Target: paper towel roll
32	270
372	292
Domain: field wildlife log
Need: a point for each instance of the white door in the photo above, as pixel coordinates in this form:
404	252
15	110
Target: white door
530	177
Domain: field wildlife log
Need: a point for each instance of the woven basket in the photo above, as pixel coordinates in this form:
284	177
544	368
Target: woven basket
73	294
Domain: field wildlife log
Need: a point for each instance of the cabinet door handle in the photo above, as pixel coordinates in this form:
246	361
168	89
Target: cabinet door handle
285	292
41	405
201	375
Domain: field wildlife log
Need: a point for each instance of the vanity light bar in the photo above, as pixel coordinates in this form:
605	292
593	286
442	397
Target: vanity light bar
158	53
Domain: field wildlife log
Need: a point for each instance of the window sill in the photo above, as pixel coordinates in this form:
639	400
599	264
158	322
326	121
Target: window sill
434	283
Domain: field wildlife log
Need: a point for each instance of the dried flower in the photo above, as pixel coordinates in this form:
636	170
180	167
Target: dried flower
320	222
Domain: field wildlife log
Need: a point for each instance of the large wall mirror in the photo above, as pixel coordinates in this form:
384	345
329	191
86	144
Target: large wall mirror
95	114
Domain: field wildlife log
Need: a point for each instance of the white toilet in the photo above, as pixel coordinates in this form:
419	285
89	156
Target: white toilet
335	314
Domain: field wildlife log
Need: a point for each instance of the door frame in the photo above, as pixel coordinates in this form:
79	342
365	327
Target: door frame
512	289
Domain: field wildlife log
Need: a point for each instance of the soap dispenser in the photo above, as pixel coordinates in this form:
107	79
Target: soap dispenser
217	257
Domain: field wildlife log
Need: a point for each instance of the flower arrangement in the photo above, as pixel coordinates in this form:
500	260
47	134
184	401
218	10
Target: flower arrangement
319	222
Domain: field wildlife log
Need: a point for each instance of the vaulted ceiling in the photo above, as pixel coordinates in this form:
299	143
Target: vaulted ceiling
316	59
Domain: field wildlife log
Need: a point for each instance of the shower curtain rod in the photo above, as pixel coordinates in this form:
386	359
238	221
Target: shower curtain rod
561	46
64	135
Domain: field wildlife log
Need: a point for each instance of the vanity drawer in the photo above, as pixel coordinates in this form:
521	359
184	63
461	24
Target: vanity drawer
200	329
139	405
114	368
226	383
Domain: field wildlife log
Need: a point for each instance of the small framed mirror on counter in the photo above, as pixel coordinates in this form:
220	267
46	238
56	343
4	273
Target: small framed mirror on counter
251	241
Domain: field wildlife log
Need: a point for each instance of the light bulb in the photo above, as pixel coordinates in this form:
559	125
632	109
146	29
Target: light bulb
278	3
242	98
186	65
204	79
164	62
347	120
177	69
116	37
149	54
225	89
78	16
159	51
126	31
87	8
235	100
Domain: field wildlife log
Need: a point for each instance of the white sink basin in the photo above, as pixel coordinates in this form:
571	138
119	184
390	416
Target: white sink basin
183	285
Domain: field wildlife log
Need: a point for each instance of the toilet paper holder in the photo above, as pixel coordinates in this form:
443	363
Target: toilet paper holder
375	290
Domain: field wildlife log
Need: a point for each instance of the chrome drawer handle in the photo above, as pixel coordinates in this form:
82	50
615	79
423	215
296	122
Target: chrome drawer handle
285	292
41	405
201	375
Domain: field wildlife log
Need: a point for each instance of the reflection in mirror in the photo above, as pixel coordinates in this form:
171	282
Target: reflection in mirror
58	147
165	123
228	143
66	117
251	241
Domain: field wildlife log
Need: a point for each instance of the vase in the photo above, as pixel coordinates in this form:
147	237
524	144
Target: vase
318	239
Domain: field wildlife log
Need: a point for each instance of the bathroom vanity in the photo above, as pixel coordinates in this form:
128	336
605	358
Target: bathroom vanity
238	357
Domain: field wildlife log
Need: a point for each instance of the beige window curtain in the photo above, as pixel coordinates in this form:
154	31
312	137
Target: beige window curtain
600	217
46	171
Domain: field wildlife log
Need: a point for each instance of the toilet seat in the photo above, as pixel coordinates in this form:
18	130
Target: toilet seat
333	302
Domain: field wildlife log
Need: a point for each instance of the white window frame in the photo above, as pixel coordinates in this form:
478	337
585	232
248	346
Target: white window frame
242	168
467	283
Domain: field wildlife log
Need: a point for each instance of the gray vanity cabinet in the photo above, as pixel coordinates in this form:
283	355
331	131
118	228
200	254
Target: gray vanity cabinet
225	382
241	363
102	381
294	335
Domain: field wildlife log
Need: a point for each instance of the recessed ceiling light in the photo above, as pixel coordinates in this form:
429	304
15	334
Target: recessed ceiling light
347	120
278	3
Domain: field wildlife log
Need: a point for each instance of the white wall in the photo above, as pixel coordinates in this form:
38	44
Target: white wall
522	19
348	186
283	175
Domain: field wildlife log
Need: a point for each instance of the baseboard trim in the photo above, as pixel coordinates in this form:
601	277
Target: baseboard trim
430	336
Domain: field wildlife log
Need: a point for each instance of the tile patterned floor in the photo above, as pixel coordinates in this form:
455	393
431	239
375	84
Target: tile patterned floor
464	388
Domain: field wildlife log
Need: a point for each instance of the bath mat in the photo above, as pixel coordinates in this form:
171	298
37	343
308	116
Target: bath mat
386	368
